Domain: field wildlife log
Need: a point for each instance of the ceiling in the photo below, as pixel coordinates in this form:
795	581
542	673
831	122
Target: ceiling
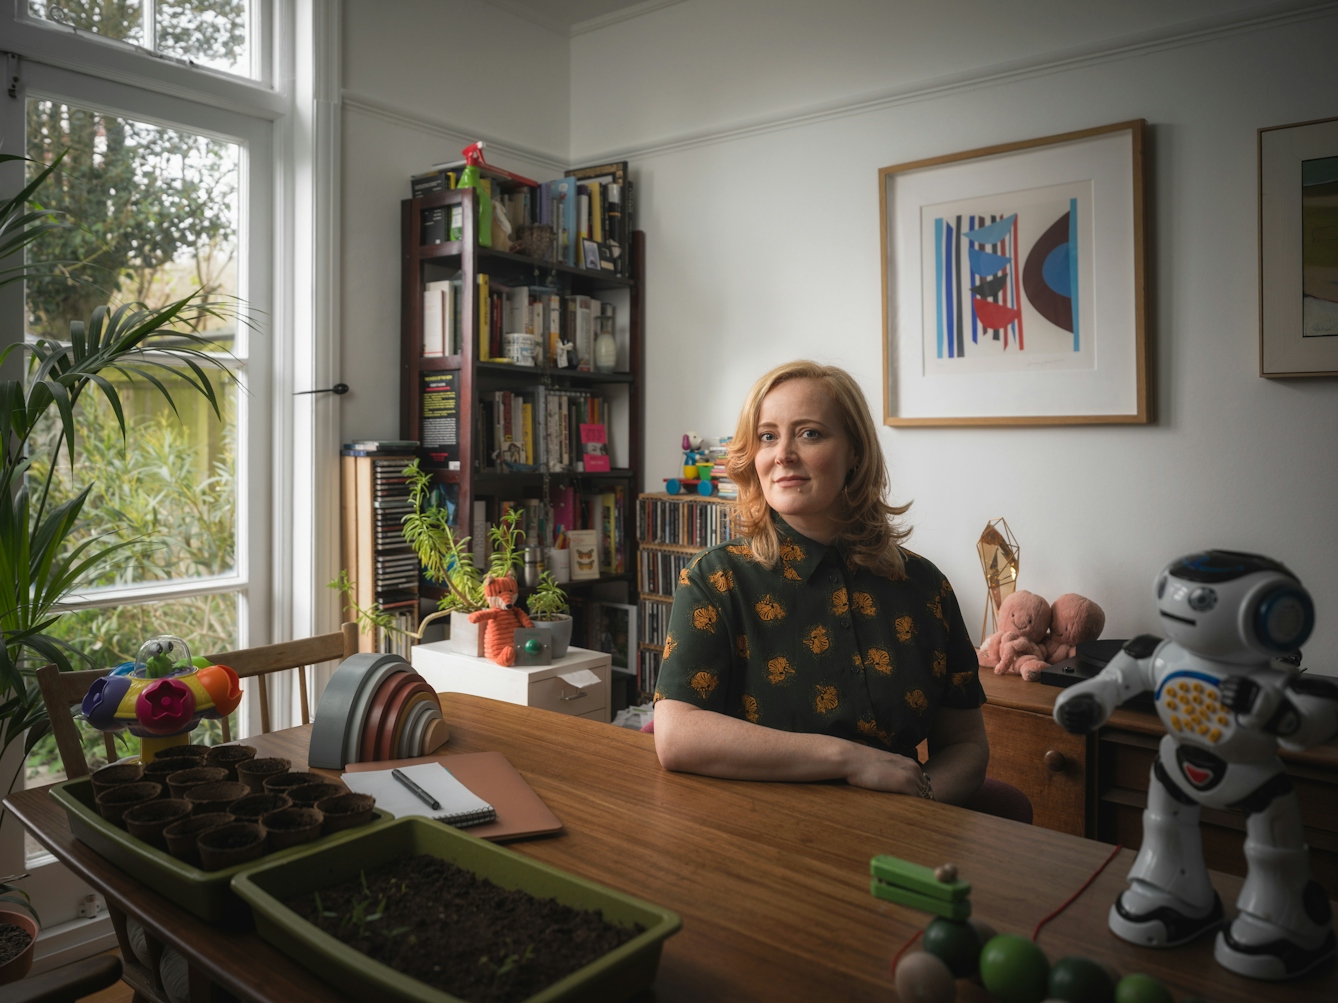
564	15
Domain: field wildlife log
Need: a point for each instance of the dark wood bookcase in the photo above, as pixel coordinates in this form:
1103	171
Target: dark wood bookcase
476	479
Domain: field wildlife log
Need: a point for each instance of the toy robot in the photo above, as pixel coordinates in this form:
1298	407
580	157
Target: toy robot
1226	712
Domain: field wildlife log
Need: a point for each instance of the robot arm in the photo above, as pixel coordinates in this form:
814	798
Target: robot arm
1301	713
1086	706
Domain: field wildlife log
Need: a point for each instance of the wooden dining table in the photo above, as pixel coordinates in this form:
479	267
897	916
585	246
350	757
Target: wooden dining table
771	879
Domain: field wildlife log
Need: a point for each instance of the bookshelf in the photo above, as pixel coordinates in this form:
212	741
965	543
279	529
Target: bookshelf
670	531
380	564
468	470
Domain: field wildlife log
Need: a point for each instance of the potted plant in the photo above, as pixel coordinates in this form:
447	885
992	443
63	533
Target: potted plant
42	558
447	561
16	954
550	611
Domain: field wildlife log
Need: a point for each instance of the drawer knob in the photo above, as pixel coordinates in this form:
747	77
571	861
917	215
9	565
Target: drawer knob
1055	761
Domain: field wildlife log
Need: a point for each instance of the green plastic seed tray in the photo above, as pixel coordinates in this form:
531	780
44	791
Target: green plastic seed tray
206	894
619	975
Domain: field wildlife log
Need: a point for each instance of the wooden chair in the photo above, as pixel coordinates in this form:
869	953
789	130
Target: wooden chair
60	690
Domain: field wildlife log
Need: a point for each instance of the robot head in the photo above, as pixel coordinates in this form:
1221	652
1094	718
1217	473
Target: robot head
1233	606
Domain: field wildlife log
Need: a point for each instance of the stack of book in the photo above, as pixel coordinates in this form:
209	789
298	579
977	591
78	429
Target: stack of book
542	428
724	487
550	317
590	210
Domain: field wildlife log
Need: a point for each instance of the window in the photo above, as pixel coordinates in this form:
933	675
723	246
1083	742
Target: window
209	33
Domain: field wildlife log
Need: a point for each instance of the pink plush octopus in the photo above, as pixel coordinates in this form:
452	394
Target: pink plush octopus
1024	619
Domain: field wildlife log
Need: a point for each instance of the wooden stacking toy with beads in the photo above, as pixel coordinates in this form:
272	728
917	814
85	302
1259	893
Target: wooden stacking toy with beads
1012	969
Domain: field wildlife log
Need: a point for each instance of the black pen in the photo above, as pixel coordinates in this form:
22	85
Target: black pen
418	792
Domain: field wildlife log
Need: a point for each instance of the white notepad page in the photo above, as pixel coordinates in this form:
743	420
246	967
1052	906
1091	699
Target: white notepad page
459	805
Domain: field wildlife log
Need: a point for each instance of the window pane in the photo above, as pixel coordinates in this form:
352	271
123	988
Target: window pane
168	490
109	18
208	32
156	212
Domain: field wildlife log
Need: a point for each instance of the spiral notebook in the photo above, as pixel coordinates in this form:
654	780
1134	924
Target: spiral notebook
460	806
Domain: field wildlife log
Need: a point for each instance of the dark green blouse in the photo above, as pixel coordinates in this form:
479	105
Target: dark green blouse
818	644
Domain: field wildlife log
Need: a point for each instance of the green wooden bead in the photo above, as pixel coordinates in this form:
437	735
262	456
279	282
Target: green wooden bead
1080	980
534	646
1014	969
956	944
1140	988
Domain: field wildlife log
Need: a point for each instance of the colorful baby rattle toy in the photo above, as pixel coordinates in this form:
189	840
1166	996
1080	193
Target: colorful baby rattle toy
162	696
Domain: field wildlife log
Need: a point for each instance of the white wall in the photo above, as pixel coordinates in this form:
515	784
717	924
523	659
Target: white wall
763	246
420	83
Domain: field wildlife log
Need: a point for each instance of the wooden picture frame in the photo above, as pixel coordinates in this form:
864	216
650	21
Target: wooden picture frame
985	249
584	547
1298	259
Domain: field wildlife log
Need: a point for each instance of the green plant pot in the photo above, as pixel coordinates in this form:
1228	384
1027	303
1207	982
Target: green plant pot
618	975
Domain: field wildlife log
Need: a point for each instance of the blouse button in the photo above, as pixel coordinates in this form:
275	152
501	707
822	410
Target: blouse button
844	621
834	578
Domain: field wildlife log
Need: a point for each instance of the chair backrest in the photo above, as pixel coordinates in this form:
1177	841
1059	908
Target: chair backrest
253	662
60	690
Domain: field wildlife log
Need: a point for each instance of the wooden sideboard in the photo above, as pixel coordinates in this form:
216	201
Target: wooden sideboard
1096	785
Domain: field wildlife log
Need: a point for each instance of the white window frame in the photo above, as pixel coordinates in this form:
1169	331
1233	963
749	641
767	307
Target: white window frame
293	106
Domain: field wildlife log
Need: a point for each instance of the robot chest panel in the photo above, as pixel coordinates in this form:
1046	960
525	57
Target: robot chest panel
1189	704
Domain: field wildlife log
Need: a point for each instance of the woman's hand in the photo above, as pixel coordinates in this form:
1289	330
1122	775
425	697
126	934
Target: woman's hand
882	771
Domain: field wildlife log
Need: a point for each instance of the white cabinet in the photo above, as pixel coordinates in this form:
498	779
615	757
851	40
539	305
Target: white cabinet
557	687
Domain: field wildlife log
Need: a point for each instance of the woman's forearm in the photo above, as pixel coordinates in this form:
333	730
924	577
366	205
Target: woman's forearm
691	740
959	753
957	771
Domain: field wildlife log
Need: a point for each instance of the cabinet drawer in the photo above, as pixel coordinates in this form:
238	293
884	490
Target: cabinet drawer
557	694
1043	761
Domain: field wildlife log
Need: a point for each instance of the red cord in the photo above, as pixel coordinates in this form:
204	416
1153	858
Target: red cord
904	948
1072	898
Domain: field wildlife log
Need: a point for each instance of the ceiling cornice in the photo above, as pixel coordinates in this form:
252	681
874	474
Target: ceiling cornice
528	12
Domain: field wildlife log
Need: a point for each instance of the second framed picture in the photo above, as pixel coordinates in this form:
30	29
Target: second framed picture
613	629
1013	283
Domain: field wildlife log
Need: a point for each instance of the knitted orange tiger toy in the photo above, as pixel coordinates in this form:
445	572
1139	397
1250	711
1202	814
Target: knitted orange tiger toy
500	620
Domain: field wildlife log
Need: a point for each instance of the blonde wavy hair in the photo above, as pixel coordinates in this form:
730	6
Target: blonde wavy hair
871	531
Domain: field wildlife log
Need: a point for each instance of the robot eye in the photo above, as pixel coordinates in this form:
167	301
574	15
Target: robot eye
1161	586
1202	599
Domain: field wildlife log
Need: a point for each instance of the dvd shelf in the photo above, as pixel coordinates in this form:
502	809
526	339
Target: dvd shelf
671	530
381	566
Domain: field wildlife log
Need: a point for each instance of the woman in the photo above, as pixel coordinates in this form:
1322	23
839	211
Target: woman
815	647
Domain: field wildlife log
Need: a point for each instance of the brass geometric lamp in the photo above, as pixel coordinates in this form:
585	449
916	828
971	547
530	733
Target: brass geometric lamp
999	558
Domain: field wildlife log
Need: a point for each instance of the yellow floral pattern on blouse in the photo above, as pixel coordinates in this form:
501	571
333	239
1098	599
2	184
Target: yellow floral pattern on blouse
750	708
779	670
940	663
704	683
826	700
722	580
683	577
840	602
818	643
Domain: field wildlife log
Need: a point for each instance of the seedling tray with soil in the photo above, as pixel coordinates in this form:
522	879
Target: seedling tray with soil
203	893
554	936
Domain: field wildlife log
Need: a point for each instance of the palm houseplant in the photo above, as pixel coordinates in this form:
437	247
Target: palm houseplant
45	550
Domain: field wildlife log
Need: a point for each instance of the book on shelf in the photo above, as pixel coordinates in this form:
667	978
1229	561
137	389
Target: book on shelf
590	203
594	448
440	417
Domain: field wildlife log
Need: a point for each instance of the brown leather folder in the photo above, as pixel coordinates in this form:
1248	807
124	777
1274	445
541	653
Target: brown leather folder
520	812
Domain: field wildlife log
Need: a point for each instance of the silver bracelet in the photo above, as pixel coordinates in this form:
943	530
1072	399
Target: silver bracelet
926	788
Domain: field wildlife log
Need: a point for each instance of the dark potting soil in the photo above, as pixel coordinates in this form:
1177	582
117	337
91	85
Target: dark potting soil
460	933
13	941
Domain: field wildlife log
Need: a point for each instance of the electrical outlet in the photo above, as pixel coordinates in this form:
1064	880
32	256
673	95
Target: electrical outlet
90	907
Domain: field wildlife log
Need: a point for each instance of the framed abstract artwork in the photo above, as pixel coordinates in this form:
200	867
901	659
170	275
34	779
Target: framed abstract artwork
1298	249
1013	283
